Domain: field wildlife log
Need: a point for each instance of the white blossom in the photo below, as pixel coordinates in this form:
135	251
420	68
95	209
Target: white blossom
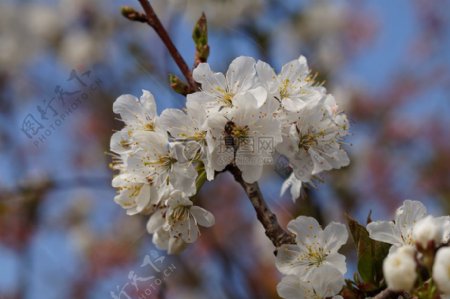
161	162
399	269
400	231
221	92
312	142
219	13
183	217
315	249
238	119
293	87
137	114
326	285
235	138
176	222
135	194
190	128
441	270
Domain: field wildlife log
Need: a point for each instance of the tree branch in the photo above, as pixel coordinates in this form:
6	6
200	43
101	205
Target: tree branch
388	294
268	219
155	23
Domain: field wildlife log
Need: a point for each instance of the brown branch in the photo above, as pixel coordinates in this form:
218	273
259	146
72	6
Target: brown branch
155	23
268	219
388	294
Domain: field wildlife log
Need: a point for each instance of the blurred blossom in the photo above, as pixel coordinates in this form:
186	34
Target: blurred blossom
219	12
79	48
323	18
42	21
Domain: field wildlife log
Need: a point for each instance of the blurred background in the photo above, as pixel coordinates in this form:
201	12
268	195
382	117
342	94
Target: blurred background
63	63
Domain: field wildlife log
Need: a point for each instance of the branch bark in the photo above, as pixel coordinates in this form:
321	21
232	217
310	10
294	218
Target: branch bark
155	23
388	294
268	219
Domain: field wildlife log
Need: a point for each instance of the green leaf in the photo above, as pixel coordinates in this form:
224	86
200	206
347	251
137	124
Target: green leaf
371	255
200	37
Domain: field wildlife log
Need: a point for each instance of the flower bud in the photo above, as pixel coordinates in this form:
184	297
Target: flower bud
426	231
399	269
446	231
441	270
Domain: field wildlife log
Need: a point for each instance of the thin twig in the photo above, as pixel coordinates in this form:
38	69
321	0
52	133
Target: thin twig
268	219
155	23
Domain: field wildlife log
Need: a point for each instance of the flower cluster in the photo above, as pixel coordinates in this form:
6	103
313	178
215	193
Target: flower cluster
419	247
313	266
240	118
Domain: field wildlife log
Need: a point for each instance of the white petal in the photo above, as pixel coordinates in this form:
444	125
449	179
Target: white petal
327	281
293	105
201	98
192	231
128	107
176	245
287	259
250	167
155	222
143	198
241	74
202	216
120	141
246	102
260	94
221	157
148	103
209	80
175	121
161	239
337	261
183	177
320	163
267	76
335	235
295	70
295	185
305	228
384	231
197	112
291	287
409	213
